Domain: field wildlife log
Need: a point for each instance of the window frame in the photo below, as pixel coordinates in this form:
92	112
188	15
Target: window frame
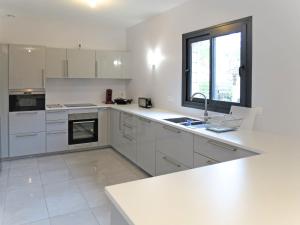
244	26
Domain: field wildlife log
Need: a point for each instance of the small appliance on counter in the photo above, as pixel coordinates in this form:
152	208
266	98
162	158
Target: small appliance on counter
122	101
108	99
145	103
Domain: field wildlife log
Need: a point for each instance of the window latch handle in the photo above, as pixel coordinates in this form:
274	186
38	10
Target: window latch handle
241	70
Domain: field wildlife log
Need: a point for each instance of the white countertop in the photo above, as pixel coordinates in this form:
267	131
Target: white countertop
259	190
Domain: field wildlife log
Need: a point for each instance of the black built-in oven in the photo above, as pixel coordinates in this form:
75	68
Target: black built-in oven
26	101
83	128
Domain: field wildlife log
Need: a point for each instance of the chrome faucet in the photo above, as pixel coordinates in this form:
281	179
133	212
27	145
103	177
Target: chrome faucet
205	104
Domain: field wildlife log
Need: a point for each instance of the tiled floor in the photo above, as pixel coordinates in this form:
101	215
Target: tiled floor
62	189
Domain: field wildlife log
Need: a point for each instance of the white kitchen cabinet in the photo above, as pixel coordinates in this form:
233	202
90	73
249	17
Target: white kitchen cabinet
59	125
146	145
54	115
56	63
26	144
27	122
26	67
57	141
104	127
219	151
112	64
200	160
81	63
166	164
175	143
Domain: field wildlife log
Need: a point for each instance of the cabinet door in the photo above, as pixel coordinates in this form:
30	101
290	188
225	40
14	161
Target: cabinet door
26	66
116	129
104	127
166	164
146	145
110	64
81	63
56	62
175	143
56	141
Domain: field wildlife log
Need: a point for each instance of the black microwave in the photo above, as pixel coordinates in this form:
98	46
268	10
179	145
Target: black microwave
145	103
26	101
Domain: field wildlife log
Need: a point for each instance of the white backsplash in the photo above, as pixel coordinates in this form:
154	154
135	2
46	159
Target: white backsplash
60	91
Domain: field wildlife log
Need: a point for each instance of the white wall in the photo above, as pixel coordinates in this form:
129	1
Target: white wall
60	91
276	52
61	34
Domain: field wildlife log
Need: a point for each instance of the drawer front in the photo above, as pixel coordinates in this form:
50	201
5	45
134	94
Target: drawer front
166	164
27	144
57	141
57	115
129	147
176	144
200	160
27	122
219	151
57	125
128	119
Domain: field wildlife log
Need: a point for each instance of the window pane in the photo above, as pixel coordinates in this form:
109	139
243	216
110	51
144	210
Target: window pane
200	67
226	69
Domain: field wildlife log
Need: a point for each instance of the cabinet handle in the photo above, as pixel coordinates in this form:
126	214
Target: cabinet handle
56	132
128	126
56	122
145	120
174	130
83	122
43	79
96	68
209	162
222	146
171	161
27	113
120	118
127	137
56	111
26	135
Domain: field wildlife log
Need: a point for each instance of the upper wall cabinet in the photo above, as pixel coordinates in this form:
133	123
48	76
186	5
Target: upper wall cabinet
81	63
56	63
26	66
112	64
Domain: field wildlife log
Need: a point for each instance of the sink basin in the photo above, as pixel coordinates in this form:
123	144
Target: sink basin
187	122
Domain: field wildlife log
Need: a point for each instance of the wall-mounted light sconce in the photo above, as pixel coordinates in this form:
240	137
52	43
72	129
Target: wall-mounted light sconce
155	57
117	62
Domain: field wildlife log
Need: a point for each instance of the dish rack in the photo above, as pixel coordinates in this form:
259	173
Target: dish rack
225	121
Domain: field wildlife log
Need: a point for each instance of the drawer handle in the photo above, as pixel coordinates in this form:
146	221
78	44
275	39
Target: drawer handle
145	120
56	111
26	135
57	132
222	146
56	122
171	161
27	113
174	130
209	162
127	137
128	126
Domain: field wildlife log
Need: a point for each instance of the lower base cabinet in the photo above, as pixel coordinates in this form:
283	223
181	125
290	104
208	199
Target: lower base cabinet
57	141
200	160
27	144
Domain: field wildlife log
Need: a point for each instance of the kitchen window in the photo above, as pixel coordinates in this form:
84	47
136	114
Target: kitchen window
217	62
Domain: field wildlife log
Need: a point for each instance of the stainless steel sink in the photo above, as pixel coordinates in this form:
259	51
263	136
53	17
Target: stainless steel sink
187	122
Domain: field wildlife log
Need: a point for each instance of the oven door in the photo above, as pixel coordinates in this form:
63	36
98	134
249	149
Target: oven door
26	102
83	131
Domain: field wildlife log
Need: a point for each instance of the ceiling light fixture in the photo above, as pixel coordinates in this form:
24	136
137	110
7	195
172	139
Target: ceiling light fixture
92	3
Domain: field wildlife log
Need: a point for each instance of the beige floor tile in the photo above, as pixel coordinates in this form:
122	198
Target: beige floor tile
85	217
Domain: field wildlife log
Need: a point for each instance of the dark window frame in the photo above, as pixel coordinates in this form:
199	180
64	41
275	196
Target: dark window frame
245	27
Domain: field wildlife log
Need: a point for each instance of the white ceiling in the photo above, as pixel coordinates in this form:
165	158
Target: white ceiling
123	13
